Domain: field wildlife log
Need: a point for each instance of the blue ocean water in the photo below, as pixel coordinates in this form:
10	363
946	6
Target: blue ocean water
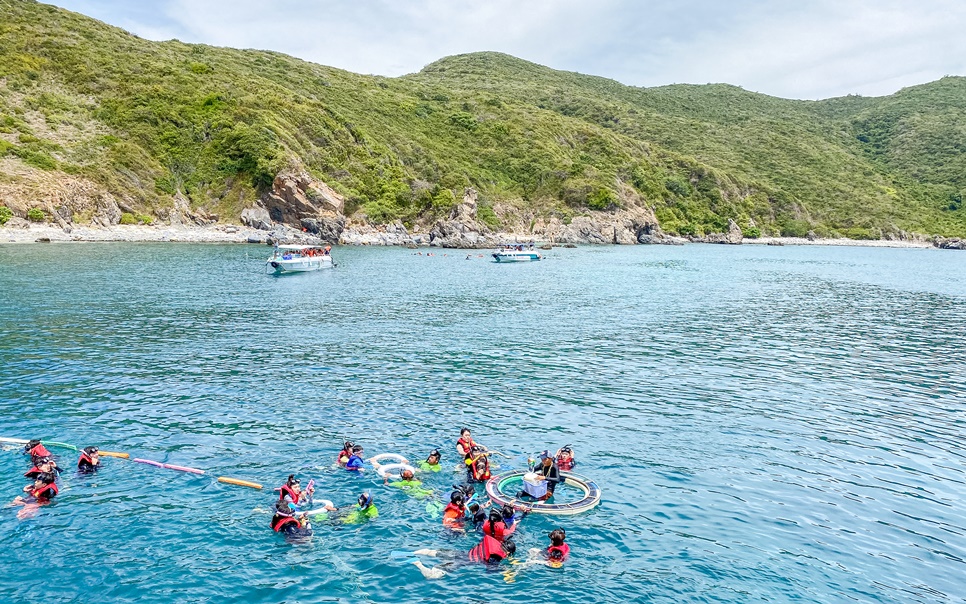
768	424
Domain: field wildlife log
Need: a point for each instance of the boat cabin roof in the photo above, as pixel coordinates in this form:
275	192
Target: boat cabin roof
298	248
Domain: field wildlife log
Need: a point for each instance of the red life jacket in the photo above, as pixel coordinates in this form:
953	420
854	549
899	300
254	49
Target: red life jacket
485	549
45	492
558	552
467	445
85	459
39	451
343	453
452	514
498	531
565	464
282	522
480	475
33	473
287	490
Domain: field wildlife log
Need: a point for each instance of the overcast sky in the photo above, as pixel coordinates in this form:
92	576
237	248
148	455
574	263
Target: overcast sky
805	49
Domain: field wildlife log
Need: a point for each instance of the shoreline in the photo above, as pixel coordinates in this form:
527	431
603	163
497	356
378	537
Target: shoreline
225	233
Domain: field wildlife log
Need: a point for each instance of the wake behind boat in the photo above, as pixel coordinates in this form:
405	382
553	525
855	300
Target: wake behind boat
299	259
517	253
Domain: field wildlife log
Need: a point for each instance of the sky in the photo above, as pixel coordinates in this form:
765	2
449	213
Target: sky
802	49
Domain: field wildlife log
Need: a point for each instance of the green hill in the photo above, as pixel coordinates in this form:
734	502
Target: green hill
148	122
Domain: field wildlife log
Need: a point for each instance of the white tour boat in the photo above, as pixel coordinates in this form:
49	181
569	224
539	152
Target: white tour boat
517	253
299	259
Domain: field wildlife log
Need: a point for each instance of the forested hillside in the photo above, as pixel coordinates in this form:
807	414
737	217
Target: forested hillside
87	109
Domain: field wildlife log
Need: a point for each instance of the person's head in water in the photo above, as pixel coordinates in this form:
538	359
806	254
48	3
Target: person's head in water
407	475
294	483
557	536
282	508
365	500
509	547
357	450
457	498
347	446
507	511
433	458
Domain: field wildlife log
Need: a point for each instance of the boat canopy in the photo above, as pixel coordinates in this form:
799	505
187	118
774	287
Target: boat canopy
298	248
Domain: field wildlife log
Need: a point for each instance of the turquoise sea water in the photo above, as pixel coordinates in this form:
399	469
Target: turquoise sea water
767	424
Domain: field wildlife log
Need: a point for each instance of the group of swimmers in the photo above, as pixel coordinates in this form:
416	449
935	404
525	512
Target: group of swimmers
44	474
293	509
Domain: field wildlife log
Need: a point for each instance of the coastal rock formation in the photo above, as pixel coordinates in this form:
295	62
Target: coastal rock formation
385	234
298	200
462	229
950	243
257	217
734	236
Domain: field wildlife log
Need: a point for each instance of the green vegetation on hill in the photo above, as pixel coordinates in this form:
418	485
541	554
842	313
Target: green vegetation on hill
148	121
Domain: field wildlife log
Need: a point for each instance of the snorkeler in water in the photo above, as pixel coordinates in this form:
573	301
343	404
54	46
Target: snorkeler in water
431	463
355	462
42	465
409	485
488	551
364	510
89	461
41	491
287	522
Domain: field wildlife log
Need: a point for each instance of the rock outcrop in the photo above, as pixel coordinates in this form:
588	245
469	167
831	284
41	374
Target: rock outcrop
462	229
734	235
298	200
949	243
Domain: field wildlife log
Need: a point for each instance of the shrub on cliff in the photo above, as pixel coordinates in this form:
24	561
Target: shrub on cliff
36	215
5	215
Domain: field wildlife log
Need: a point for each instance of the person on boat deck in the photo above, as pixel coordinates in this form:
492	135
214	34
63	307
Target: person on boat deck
364	511
90	460
478	466
547	470
465	444
487	551
455	511
344	454
285	521
565	459
354	463
431	464
408	484
36	450
41	491
42	465
327	250
496	528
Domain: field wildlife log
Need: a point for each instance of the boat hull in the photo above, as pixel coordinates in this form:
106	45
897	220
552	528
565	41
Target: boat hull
516	256
300	265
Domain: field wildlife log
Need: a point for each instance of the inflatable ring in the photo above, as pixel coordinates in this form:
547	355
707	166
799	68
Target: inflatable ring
590	500
389	470
376	460
14	441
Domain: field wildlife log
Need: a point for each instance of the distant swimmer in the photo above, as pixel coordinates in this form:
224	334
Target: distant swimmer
286	522
565	459
409	485
355	462
455	512
431	464
343	458
487	551
42	465
36	450
364	510
89	461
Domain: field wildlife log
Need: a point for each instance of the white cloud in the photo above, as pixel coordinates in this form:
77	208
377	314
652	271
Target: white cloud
786	48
